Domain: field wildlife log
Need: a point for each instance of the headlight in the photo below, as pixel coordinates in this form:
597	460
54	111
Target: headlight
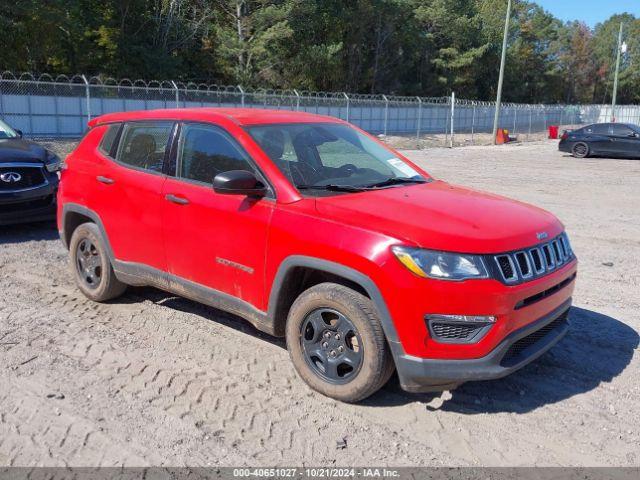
53	162
441	265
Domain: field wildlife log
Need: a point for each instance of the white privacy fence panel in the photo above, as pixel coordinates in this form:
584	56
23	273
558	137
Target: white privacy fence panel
47	107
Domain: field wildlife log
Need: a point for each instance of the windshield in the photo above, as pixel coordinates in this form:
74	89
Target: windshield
6	131
317	156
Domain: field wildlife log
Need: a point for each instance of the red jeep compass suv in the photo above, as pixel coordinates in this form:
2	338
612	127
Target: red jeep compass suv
310	228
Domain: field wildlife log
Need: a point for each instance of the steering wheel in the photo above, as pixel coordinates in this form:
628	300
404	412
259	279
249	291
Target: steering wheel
347	169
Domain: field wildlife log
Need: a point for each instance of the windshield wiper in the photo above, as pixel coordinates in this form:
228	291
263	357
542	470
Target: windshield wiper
332	187
395	181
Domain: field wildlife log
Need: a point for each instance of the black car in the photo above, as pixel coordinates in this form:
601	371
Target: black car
605	139
28	179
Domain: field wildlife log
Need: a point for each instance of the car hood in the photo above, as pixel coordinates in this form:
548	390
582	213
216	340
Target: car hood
20	150
441	216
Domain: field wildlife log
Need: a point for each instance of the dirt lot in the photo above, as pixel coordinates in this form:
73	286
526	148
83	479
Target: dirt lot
155	379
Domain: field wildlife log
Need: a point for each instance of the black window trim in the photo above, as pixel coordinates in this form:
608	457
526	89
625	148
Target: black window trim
118	139
172	162
114	145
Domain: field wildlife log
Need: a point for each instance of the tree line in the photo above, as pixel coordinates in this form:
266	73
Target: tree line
403	47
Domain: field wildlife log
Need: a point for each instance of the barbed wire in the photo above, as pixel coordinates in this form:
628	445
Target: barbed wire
293	95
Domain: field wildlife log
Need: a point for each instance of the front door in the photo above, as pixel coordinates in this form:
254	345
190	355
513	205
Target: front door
625	141
216	240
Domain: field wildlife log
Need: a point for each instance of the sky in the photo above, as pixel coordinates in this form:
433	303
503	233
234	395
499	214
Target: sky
589	11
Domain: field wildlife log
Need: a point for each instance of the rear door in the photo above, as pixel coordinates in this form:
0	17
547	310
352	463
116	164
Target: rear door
213	239
129	192
598	138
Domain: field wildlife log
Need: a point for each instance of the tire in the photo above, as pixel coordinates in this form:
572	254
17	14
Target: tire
91	266
332	329
580	150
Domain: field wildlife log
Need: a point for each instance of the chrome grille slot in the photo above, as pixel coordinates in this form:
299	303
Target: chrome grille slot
507	268
524	267
548	257
536	256
556	251
534	262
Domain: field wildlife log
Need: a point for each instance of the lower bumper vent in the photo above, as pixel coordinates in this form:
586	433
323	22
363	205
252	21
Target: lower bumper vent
515	350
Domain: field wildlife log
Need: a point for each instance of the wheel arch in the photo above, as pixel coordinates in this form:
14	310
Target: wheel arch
74	215
292	278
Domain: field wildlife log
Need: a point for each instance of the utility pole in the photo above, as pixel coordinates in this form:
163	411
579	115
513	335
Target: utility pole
615	77
496	117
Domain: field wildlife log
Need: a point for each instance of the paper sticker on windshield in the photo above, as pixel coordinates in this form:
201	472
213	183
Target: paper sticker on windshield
402	167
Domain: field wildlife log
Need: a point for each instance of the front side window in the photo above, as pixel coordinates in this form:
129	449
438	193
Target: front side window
143	145
6	131
321	156
204	151
621	131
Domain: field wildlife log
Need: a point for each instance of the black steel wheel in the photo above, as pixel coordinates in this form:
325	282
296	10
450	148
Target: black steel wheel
580	150
336	342
331	345
89	263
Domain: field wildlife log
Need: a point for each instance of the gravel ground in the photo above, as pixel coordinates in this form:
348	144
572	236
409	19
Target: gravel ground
152	379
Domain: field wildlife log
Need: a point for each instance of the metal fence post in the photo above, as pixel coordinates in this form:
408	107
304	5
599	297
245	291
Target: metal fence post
386	113
297	99
419	119
177	93
88	97
515	113
473	123
241	95
529	132
347	97
453	107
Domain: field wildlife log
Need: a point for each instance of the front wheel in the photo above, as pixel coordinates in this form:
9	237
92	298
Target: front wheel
580	150
336	342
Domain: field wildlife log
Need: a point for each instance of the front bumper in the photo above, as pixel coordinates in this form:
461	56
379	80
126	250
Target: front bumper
514	352
31	205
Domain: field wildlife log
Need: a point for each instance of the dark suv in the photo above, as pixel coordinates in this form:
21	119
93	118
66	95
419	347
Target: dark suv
28	179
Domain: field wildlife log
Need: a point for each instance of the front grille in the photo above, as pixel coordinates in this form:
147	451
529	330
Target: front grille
534	262
30	177
453	331
515	350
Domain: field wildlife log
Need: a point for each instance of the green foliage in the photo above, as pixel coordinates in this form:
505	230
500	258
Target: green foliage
407	47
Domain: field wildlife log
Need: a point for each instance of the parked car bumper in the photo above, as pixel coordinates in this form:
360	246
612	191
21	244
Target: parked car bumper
514	352
30	205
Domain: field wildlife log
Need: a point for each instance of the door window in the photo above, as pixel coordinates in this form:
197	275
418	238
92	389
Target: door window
600	129
204	151
143	145
621	131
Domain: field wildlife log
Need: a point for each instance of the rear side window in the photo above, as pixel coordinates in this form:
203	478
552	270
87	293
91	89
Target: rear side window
598	129
108	140
205	151
143	145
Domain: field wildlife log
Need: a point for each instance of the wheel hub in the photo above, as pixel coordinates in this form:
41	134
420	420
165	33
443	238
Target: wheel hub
331	345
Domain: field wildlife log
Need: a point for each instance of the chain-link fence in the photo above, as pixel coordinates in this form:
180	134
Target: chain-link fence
48	107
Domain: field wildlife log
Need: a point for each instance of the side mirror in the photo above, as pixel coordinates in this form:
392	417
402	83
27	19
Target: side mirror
19	132
239	182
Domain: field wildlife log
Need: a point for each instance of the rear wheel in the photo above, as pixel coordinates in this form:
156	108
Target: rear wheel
336	342
91	266
580	150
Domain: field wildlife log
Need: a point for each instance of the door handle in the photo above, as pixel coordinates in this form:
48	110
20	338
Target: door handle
105	180
178	200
